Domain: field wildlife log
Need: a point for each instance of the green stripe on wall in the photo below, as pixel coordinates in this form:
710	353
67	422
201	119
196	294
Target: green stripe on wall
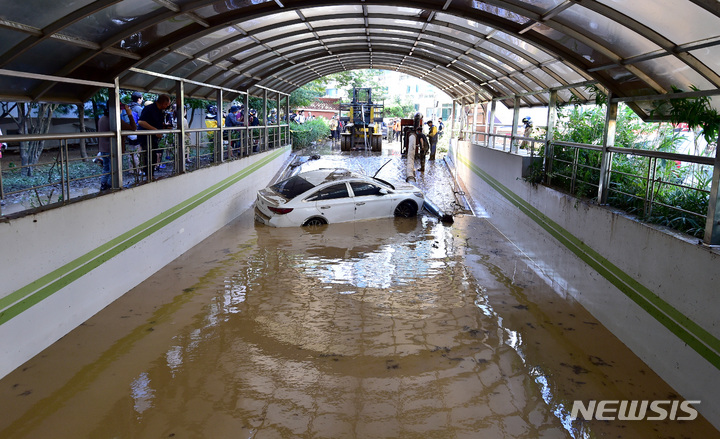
19	301
704	343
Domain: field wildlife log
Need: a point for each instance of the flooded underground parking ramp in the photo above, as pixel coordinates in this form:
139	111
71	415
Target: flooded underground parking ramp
393	328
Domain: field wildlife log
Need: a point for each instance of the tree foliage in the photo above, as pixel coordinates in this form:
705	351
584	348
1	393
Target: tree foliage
697	112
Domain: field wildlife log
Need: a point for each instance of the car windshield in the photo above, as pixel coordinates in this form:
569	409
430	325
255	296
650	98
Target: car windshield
292	187
384	182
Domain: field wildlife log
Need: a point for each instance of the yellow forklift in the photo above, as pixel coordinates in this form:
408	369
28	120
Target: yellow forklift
362	122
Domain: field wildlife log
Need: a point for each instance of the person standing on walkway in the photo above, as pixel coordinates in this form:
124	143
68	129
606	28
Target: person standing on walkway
433	138
127	123
333	128
153	118
527	121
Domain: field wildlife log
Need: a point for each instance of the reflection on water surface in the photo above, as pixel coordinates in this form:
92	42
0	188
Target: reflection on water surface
390	328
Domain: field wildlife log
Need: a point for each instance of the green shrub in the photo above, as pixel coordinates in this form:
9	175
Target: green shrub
303	135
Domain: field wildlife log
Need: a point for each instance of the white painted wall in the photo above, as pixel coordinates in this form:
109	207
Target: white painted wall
678	270
36	245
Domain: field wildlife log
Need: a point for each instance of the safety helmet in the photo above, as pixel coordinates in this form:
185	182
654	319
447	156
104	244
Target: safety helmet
526	119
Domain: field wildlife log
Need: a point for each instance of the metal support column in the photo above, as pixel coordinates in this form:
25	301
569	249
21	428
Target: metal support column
712	226
180	146
220	135
608	142
491	124
515	122
550	135
475	114
265	122
246	119
452	118
116	157
288	140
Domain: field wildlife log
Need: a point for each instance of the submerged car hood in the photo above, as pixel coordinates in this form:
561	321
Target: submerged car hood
404	187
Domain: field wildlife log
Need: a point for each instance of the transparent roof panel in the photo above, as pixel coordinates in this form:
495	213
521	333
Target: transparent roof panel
280	31
226	35
489	61
97	27
249	53
669	71
392	24
9	39
565	72
39	13
40	57
543	5
532	51
441	31
573	45
500	12
332	11
464	23
544	78
455	48
394	32
680	22
168	60
710	56
268	20
471	70
393	10
187	69
624	41
505	55
280	42
347	22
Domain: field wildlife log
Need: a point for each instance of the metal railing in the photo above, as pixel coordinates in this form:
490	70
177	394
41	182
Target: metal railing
666	188
64	175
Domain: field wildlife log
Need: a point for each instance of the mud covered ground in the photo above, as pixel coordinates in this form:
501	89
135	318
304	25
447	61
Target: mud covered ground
395	328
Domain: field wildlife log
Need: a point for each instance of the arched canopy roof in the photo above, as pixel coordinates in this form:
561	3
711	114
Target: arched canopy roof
467	48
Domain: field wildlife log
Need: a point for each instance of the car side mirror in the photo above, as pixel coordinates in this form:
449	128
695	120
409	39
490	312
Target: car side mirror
383	191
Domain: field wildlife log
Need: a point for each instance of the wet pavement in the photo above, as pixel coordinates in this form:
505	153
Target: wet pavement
393	328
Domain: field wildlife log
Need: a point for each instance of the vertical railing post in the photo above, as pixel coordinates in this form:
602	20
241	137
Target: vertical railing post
453	112
475	113
65	170
606	155
550	135
180	146
219	135
116	157
515	122
246	117
712	225
491	124
573	175
265	122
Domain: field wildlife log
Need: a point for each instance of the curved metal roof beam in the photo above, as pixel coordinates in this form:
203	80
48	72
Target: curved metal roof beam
182	36
202	27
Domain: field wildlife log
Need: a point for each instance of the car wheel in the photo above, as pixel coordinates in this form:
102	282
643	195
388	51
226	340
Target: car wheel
406	209
315	222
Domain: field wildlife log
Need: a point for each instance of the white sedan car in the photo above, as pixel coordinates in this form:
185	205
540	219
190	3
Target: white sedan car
334	196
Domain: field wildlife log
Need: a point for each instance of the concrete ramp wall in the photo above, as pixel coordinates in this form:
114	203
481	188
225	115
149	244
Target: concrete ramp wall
61	266
656	291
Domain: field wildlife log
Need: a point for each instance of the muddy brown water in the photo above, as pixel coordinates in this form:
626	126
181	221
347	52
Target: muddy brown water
395	328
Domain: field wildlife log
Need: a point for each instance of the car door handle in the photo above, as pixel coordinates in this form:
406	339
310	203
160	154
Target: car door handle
359	204
325	207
